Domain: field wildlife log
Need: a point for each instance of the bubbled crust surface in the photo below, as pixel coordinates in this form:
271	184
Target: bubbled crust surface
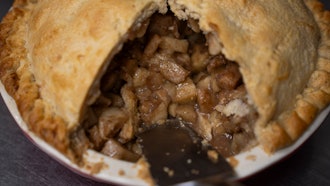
53	51
282	48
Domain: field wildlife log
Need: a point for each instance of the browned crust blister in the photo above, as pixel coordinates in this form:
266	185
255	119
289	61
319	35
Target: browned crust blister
19	82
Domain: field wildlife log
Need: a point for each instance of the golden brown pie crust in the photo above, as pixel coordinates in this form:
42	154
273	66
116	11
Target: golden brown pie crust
51	77
36	73
315	96
256	29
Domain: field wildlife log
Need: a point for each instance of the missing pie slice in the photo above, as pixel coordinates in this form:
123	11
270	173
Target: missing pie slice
93	74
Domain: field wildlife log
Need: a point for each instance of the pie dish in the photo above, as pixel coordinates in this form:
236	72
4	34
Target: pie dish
56	56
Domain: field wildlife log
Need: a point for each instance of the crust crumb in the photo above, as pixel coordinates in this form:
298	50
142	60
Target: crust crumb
233	161
144	172
170	172
121	173
213	155
94	168
251	157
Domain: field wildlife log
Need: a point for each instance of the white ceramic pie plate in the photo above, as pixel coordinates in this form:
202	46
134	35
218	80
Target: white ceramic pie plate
121	172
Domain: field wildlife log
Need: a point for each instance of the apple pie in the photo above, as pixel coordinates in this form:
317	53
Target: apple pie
93	74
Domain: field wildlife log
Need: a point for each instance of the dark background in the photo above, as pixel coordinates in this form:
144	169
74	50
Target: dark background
21	163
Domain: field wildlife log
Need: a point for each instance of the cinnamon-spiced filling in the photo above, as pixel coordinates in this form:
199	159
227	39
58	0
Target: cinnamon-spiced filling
169	69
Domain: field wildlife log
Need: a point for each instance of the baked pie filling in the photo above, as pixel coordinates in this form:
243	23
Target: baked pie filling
169	69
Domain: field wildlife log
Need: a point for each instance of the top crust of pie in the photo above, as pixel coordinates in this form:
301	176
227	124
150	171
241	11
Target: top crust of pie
52	57
53	51
280	46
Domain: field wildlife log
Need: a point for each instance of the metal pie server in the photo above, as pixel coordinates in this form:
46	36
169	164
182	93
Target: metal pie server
177	155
